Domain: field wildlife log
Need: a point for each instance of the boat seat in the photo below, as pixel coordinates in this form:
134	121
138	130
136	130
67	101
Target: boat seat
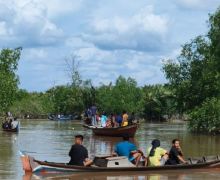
116	158
211	158
100	161
204	159
119	161
103	155
196	160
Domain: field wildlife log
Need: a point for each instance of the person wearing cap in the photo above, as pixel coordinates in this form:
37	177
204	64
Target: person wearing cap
78	153
128	149
156	156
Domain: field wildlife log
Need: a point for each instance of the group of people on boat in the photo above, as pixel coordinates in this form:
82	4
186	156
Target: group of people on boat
155	155
94	118
9	122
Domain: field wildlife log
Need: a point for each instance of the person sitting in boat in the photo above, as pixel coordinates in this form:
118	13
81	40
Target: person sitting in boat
124	118
156	156
98	119
14	123
108	123
175	154
103	119
78	153
9	122
128	149
112	119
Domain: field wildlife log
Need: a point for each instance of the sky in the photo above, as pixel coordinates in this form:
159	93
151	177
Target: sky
107	38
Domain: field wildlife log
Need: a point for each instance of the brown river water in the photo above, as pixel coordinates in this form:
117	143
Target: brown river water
51	141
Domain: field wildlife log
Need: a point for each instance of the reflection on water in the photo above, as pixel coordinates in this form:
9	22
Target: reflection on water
51	141
179	175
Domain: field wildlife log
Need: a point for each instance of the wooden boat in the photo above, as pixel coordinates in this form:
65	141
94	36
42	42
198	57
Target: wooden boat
115	131
16	129
113	164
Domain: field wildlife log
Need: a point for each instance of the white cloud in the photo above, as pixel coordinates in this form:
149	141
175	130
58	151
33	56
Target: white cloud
77	43
145	20
59	7
34	54
28	22
142	31
3	29
199	4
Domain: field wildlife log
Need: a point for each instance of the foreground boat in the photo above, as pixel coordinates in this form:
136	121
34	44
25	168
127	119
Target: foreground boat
16	129
115	131
112	164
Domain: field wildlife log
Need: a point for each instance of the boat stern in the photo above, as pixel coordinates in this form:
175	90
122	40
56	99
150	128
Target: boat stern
28	163
25	162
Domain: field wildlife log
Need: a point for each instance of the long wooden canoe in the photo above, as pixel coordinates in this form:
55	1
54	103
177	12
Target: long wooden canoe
37	166
115	131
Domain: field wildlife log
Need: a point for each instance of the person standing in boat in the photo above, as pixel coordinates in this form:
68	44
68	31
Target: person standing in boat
112	119
156	156
93	113
124	118
118	120
128	149
175	154
98	119
78	153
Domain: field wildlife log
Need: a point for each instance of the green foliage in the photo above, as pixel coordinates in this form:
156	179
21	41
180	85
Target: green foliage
158	100
125	95
32	104
206	118
195	78
214	34
196	75
8	79
88	93
191	78
66	99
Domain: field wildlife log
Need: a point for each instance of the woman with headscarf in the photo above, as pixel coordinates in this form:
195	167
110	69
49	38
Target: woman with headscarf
156	156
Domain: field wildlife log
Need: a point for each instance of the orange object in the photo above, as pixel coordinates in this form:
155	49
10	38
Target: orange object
26	163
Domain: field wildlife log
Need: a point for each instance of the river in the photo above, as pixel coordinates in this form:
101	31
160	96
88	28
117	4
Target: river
51	141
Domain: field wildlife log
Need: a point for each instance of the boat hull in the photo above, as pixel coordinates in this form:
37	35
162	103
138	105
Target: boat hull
44	167
114	132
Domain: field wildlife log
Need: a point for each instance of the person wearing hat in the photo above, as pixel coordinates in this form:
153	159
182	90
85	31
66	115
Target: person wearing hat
78	153
156	156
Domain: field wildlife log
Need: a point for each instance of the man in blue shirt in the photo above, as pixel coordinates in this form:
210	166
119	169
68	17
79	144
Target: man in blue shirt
126	148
